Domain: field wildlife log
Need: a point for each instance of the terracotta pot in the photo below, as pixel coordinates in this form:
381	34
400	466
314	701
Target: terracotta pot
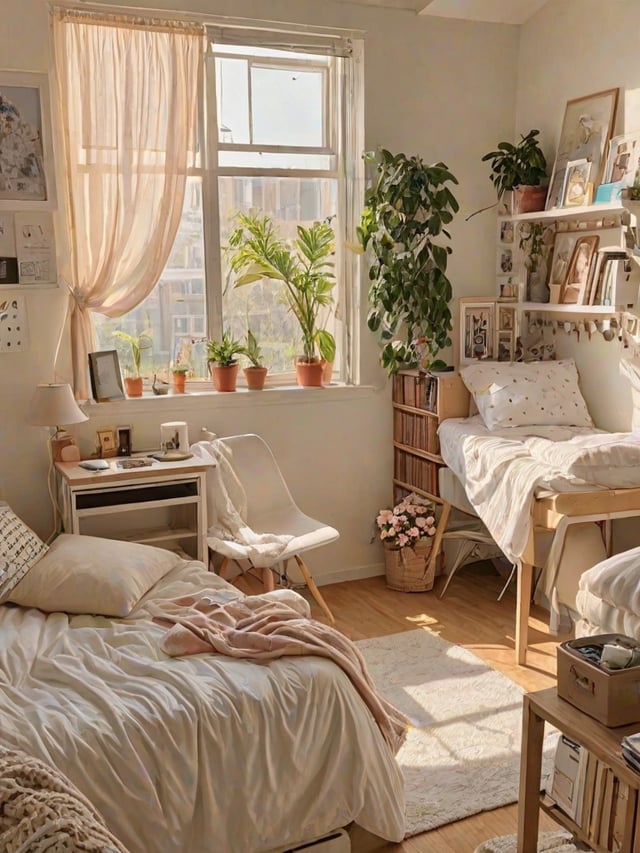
529	199
309	373
327	372
225	377
255	377
179	381
133	386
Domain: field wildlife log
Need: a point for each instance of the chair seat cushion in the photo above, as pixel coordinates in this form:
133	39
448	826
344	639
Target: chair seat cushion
608	599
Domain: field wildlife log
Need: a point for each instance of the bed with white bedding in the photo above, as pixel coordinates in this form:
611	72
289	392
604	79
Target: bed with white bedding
189	754
532	462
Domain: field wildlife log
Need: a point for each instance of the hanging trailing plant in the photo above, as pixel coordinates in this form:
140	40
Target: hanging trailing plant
406	212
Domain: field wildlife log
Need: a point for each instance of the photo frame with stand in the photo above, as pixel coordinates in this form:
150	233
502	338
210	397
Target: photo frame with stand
574	286
105	375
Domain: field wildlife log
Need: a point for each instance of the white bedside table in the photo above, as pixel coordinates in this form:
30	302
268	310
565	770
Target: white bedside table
163	504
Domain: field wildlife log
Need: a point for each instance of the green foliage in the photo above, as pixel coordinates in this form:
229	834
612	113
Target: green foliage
513	165
224	351
138	343
180	368
252	350
303	266
531	242
403	222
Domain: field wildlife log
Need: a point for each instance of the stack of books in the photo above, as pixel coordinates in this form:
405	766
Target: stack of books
631	751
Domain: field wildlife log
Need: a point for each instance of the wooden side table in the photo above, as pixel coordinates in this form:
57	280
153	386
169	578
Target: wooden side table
543	707
169	498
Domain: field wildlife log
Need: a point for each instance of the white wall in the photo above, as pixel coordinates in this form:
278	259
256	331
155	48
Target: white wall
569	49
430	90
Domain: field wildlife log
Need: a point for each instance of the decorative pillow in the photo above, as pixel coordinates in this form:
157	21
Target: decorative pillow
529	394
87	574
20	549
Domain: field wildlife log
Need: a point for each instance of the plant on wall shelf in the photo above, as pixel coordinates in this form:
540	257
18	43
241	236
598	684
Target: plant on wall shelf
523	164
403	222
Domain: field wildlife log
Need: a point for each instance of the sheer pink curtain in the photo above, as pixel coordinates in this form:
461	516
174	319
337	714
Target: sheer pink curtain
127	94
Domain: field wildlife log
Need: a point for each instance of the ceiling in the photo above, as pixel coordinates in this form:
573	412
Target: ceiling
494	11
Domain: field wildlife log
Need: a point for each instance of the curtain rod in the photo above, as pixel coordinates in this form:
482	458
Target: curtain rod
216	20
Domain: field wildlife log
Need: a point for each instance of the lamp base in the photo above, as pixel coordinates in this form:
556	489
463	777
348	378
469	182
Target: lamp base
59	444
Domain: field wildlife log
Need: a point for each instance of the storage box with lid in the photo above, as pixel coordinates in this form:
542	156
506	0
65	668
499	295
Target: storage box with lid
611	696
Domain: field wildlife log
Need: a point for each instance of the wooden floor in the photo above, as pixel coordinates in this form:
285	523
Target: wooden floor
471	616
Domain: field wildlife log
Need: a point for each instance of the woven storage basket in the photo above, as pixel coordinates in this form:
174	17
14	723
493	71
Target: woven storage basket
407	569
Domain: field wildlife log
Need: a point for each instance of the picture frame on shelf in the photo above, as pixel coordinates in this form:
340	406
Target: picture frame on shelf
586	129
576	185
508	288
561	257
623	160
105	376
505	260
476	331
575	283
26	144
506	232
107	443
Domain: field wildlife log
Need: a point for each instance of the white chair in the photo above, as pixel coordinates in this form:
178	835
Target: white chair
270	509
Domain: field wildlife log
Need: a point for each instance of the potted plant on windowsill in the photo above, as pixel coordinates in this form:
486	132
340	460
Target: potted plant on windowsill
137	343
256	372
223	364
179	377
520	168
402	225
303	266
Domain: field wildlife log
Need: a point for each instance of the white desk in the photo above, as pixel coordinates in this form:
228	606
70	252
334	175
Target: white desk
169	498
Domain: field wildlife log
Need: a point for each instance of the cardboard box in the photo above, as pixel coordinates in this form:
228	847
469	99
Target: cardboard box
610	696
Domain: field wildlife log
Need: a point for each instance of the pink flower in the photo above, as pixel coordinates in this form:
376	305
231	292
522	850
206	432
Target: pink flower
403	540
414	532
384	516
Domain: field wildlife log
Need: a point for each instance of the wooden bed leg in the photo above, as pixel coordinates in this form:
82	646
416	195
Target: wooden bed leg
315	592
525	586
223	568
268	579
436	545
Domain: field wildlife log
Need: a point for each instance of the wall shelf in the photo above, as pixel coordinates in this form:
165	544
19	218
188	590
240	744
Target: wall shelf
585	212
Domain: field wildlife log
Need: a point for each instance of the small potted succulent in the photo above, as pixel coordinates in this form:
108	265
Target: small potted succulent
256	372
223	364
179	373
521	168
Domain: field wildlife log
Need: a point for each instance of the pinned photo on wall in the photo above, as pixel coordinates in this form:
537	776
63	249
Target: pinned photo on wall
14	336
35	248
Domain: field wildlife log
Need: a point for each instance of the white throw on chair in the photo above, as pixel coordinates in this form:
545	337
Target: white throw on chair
254	520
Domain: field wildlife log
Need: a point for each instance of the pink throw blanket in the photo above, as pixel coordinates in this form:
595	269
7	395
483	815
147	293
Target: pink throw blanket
261	628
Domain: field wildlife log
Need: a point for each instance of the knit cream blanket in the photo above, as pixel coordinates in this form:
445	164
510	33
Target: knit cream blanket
41	810
266	627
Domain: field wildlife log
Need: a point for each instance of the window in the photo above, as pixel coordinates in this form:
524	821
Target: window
281	132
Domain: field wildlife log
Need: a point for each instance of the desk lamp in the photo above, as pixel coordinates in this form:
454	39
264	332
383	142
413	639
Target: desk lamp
53	405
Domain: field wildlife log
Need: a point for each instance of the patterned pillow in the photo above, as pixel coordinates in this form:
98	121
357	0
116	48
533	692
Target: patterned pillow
530	394
20	548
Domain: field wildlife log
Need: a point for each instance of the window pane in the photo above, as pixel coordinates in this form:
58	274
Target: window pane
287	106
262	306
233	100
270	160
175	310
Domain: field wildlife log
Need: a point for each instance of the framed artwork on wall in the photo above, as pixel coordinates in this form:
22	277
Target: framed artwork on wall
623	160
476	331
586	130
26	152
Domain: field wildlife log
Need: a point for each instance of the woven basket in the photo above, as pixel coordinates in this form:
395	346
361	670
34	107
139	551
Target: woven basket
407	569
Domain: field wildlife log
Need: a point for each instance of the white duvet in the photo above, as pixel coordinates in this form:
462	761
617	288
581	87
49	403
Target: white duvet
194	754
502	470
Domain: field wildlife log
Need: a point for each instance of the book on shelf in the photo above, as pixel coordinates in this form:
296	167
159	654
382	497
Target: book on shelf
568	777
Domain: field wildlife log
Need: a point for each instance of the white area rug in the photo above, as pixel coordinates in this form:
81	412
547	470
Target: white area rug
462	753
548	842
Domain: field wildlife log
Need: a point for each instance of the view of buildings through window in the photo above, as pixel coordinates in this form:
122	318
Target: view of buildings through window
278	150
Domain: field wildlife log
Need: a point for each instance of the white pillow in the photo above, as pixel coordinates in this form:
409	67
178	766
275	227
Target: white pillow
527	394
20	548
87	574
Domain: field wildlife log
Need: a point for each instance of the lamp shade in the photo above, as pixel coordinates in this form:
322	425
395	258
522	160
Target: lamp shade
54	405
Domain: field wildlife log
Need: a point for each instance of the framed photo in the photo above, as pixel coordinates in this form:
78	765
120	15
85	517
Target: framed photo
26	151
586	129
505	260
107	443
506	350
506	232
623	160
508	288
575	283
562	251
576	184
106	379
506	319
476	331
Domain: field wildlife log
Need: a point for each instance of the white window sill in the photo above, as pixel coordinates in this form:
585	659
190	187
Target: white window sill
193	401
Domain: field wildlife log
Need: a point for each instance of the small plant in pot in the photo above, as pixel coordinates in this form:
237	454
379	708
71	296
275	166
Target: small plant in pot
137	343
256	372
522	168
223	363
303	266
179	374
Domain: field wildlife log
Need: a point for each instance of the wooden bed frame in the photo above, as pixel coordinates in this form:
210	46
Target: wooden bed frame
550	514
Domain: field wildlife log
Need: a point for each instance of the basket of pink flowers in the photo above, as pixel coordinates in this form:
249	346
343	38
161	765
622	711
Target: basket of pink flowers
406	532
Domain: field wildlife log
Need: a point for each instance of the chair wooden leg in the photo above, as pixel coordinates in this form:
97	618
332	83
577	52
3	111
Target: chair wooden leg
268	579
223	568
315	592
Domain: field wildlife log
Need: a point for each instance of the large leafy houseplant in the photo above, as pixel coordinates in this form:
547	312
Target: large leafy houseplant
303	265
522	164
403	224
